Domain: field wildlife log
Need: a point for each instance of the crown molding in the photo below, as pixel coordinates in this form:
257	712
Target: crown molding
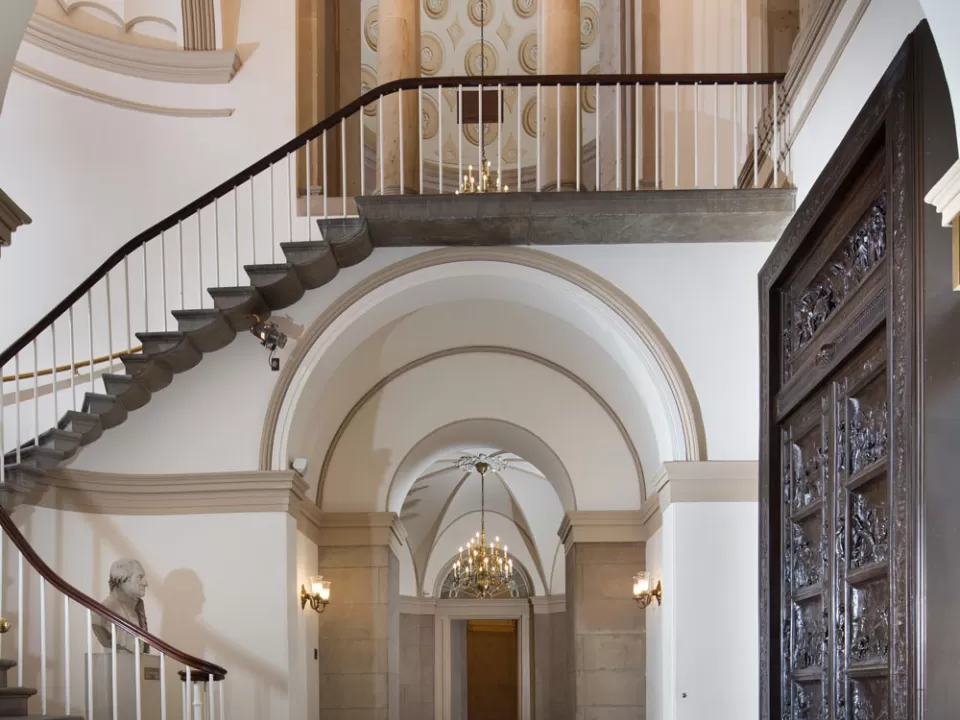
601	526
180	66
11	217
945	195
548	604
699	482
189	494
34	74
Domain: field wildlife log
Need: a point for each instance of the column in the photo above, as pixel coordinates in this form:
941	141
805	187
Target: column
550	670
558	51
607	630
702	544
360	629
398	56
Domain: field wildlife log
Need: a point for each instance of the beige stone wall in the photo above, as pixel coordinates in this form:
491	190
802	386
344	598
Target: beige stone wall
359	655
608	631
552	699
416	666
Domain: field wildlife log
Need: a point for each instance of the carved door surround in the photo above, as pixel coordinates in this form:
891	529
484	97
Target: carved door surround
839	506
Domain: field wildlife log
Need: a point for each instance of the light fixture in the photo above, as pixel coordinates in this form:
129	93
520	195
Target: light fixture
641	590
483	568
319	594
484	182
270	337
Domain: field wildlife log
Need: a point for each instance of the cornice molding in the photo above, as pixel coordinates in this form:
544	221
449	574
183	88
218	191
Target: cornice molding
945	195
154	494
180	66
696	482
68	87
601	526
548	604
411	605
358	529
11	217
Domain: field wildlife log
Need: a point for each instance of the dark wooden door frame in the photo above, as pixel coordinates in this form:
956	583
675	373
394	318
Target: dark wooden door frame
889	117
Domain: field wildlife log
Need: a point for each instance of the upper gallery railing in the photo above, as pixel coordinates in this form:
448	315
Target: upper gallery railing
579	132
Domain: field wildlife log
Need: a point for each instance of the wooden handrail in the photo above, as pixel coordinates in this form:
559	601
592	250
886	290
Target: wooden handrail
72	366
194	663
331	121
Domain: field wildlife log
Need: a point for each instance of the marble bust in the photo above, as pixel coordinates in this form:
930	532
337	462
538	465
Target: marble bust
128	584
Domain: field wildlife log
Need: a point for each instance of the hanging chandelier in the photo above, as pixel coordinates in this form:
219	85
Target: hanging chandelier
482	568
485	181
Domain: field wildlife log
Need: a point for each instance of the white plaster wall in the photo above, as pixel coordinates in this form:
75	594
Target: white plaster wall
220	588
704	299
713	595
93	176
304	667
656	633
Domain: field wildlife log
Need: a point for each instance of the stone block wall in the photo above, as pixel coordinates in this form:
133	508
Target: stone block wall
551	695
416	666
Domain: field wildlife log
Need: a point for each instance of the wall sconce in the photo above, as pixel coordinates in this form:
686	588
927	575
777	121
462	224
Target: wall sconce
319	595
641	590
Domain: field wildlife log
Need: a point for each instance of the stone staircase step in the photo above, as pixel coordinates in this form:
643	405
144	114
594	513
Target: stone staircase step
152	375
171	349
349	239
208	329
278	284
110	410
313	262
87	425
241	305
14	701
59	439
131	393
5	665
41	458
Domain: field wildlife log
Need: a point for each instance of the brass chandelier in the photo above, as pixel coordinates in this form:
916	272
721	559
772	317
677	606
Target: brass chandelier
485	181
482	568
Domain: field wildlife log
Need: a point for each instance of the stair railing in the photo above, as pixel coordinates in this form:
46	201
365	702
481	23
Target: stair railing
578	132
202	692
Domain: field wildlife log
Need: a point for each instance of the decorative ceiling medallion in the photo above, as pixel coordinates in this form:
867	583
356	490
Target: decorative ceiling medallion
530	117
430	120
370	29
368	81
480	8
589	25
527	54
588	93
431	53
480	59
505	31
455	31
435	9
489	136
525	8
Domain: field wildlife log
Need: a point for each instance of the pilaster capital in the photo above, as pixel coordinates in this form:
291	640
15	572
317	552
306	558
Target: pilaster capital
945	195
548	604
708	481
601	526
11	217
358	529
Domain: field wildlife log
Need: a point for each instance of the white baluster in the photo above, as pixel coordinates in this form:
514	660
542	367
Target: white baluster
696	136
776	138
716	125
736	148
499	133
136	671
519	111
89	665
619	139
113	670
36	398
16	401
323	161
480	138
636	137
403	169
440	133
656	135
253	222
3	479
596	143
66	654
216	242
56	401
198	703
363	154
43	646
73	359
126	293
179	262
163	687
579	137
211	705
380	140
419	136
539	133
273	223
146	312
289	198
90	328
343	165
236	234
21	611
676	136
163	278
223	711
459	133
187	694
558	137
756	164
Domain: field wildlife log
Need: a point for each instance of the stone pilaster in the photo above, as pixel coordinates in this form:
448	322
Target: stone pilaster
559	54
398	56
417	662
360	628
550	667
607	631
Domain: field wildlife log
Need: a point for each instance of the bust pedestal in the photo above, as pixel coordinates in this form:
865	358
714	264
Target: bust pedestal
126	685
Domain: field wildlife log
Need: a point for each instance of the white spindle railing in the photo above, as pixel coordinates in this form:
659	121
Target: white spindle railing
111	690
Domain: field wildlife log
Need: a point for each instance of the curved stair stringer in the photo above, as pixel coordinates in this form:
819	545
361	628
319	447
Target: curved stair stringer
308	265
